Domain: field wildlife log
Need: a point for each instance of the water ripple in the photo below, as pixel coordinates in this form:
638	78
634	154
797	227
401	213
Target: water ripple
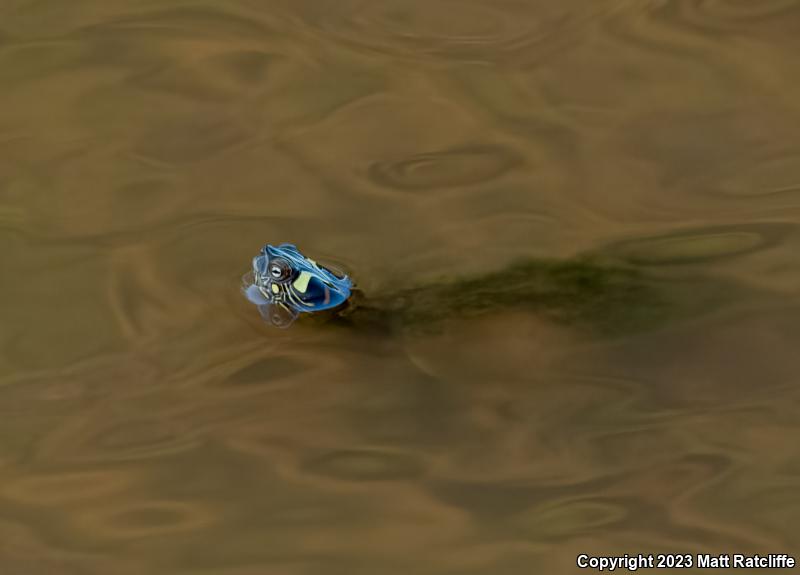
60	488
364	465
192	21
700	245
474	31
734	13
457	166
143	519
93	438
565	519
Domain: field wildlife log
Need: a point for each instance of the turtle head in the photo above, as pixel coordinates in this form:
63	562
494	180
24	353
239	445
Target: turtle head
284	276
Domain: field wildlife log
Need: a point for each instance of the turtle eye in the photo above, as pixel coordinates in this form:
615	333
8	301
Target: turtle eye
279	270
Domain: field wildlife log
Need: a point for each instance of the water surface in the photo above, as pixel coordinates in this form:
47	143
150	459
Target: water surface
151	423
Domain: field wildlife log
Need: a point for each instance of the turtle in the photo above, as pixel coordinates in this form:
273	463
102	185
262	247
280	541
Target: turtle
624	287
286	285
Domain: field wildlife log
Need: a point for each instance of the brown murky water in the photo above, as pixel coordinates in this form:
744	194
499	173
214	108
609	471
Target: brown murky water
150	423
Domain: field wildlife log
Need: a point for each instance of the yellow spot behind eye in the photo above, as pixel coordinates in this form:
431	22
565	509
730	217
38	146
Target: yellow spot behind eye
301	283
312	262
275	288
